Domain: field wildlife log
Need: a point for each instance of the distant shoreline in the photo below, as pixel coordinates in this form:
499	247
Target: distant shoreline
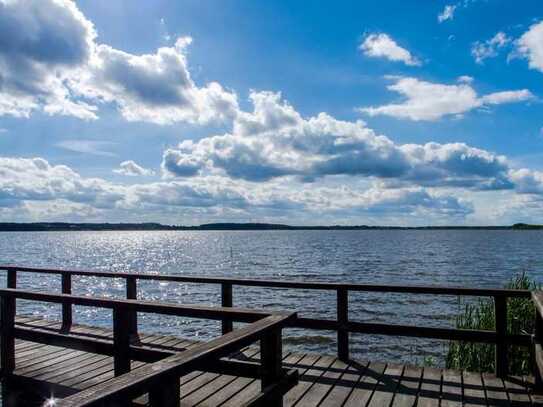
79	227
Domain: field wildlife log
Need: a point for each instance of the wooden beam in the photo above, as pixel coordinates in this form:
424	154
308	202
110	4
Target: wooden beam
132	294
500	311
343	319
66	308
167	394
121	341
453	291
226	301
7	335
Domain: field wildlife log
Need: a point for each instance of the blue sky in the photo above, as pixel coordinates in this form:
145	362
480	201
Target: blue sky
344	112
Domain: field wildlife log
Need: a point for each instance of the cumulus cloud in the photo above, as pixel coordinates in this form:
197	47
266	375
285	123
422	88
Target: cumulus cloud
275	141
131	169
447	13
530	45
489	48
432	101
37	60
156	87
55	65
382	46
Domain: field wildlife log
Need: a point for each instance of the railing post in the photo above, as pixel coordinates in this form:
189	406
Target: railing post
66	308
342	318
537	338
500	310
7	337
226	301
121	340
132	294
12	278
12	283
167	394
271	356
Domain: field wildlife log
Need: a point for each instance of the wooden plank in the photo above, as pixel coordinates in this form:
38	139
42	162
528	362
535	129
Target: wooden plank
367	384
474	391
202	387
63	365
324	384
451	388
407	391
345	384
243	389
430	388
517	391
387	385
496	395
308	379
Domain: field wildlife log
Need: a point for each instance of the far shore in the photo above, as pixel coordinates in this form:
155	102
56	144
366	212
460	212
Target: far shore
77	227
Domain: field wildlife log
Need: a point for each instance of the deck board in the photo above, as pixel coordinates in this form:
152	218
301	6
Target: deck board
324	381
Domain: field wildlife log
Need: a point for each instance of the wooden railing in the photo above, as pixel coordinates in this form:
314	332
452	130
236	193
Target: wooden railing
538	340
165	367
343	324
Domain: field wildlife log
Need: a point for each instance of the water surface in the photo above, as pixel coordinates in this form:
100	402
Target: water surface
407	257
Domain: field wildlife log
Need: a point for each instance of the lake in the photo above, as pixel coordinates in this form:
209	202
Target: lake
407	257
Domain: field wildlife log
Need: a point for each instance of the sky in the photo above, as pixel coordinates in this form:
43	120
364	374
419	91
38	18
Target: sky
345	112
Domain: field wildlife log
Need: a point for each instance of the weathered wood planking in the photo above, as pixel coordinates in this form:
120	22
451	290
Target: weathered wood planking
324	380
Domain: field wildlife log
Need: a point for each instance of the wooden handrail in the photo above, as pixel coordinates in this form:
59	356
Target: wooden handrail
343	325
537	298
414	289
153	378
263	325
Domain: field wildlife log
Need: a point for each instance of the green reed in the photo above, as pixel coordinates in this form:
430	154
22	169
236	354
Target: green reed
479	357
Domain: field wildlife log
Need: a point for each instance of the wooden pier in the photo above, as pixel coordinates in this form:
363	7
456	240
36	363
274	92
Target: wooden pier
89	366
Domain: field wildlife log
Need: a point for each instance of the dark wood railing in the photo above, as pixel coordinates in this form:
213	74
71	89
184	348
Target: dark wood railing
165	367
538	340
343	325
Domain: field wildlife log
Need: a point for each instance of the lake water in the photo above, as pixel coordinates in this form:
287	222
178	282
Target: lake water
450	258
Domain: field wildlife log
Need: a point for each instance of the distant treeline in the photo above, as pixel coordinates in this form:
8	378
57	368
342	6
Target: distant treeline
62	226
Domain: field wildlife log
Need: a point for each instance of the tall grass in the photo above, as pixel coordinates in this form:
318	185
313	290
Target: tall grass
479	357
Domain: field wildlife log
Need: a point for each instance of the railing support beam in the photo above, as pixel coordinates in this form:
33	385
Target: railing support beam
167	394
226	301
66	308
271	356
343	318
500	310
132	294
121	341
7	335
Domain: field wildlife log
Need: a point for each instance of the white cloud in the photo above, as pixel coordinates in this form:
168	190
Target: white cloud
447	13
156	87
87	147
35	62
465	79
54	65
432	101
489	49
530	45
382	46
130	168
33	188
276	142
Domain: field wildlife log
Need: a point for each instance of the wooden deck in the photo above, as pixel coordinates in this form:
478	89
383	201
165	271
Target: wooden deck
324	380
